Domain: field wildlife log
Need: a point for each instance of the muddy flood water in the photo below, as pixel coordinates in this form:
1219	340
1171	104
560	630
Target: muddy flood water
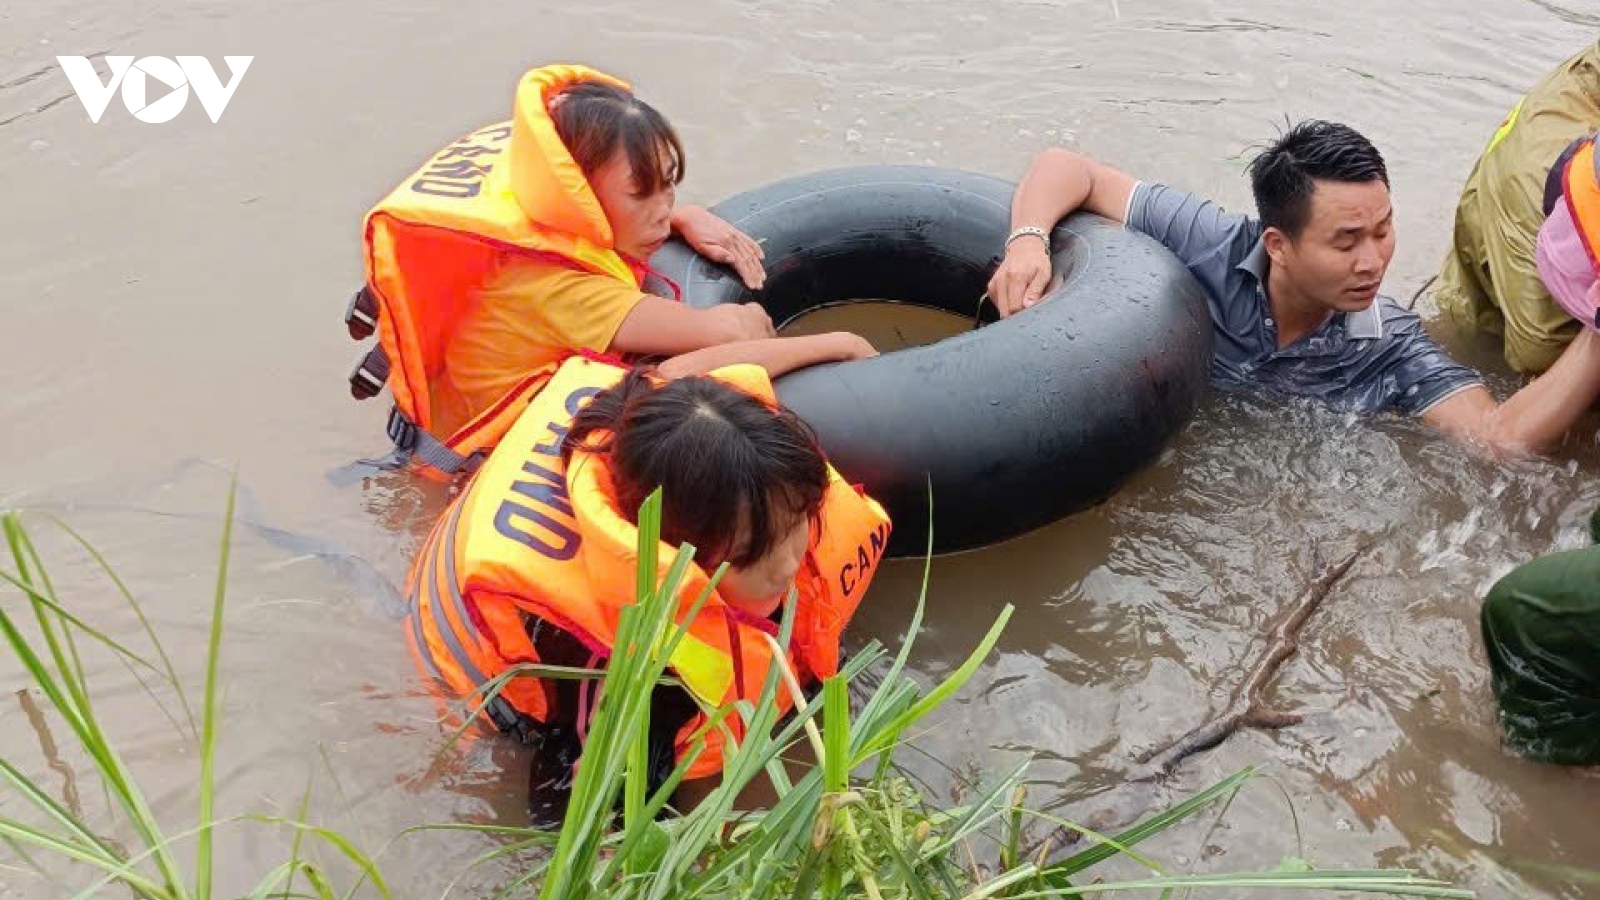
170	303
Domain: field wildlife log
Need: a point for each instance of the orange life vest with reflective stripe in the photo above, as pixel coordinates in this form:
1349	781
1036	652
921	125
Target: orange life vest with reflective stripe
531	537
1581	190
432	243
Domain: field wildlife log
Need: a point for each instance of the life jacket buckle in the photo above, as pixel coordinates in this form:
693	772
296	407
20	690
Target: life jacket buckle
370	374
506	719
402	430
361	314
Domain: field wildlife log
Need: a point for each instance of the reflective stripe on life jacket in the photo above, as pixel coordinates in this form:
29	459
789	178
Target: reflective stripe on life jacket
430	245
530	537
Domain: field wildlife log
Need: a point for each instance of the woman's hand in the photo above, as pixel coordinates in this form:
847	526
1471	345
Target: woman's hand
848	345
744	321
718	241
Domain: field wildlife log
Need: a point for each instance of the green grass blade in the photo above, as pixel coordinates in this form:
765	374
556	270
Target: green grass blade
127	658
534	840
782	828
367	865
32	864
836	735
945	689
319	882
264	888
805	885
152	852
779	776
285	875
144	622
209	712
869	712
58	673
1399	883
1112	843
47	804
890	836
24	551
647	570
637	778
294	845
118	871
50	605
21	553
631	672
65	698
985	810
1153	825
996	885
1570	873
746	765
45	605
634	836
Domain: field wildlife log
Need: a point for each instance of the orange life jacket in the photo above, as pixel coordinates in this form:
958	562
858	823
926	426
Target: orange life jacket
1581	189
530	537
432	242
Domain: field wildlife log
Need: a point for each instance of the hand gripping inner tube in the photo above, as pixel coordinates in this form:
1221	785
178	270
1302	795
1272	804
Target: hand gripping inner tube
1015	425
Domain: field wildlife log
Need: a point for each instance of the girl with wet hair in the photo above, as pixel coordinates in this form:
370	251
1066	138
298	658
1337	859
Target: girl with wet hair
745	483
741	481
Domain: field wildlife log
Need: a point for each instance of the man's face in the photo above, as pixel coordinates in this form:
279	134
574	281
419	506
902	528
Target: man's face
1339	257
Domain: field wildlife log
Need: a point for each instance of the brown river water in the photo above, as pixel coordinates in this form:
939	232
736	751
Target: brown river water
170	298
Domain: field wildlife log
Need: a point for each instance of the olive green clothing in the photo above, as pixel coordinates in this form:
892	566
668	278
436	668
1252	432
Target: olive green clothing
1541	626
1490	282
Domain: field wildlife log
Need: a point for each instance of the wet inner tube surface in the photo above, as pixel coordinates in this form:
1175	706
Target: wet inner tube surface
1016	424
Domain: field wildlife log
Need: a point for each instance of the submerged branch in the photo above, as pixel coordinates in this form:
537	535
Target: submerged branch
1247	710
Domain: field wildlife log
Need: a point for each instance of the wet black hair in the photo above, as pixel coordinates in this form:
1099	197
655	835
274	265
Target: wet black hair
1282	176
595	120
722	458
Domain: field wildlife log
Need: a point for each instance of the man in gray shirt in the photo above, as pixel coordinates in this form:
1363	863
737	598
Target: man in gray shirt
1293	295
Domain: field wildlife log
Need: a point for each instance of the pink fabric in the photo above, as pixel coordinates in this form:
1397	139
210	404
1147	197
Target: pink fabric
1565	268
585	705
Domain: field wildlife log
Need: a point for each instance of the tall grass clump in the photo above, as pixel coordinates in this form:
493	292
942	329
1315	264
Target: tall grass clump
149	865
851	825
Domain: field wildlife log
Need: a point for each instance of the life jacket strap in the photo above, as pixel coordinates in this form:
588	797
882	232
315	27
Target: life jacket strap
361	315
367	380
1554	183
420	445
508	721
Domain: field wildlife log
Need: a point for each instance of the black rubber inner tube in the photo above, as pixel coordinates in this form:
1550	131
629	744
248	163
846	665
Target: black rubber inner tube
1014	425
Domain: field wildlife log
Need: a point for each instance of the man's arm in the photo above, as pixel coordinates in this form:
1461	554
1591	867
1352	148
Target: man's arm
1058	183
1535	417
778	356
